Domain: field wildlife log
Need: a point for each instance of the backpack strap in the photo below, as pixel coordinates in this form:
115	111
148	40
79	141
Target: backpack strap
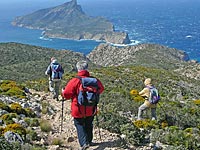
94	107
78	77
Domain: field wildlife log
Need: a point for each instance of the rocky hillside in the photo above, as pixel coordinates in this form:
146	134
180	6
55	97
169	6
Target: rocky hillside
70	22
148	55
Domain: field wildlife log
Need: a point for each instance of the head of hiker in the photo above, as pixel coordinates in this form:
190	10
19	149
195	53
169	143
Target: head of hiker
147	81
53	60
82	65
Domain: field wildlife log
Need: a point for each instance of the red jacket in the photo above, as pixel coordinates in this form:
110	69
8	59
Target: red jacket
71	92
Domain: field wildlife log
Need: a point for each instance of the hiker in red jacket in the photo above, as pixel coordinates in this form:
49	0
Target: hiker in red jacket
83	115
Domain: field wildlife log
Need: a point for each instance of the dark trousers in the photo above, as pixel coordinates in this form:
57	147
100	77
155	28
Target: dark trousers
84	127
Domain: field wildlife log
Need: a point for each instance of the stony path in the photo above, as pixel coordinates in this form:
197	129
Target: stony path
108	141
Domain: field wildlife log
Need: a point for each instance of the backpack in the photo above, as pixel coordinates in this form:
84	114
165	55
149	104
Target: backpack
154	96
56	71
88	92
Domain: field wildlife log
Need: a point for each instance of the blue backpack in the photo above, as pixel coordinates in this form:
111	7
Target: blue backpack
88	92
56	71
154	96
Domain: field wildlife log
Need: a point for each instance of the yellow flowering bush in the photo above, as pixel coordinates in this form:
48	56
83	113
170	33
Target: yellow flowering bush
17	128
135	96
134	92
146	123
17	108
197	102
11	88
164	124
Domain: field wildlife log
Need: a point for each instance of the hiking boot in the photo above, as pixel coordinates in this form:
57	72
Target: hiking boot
84	147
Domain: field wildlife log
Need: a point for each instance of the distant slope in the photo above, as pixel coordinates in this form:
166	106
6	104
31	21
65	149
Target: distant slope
26	62
150	55
69	21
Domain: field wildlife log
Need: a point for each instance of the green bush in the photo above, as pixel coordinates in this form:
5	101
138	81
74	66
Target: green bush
29	112
133	135
32	135
45	126
4	106
57	141
7	118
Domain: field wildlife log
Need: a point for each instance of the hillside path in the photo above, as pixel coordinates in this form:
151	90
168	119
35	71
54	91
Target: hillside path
108	141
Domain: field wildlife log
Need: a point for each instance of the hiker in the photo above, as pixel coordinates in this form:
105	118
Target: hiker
83	115
145	93
55	72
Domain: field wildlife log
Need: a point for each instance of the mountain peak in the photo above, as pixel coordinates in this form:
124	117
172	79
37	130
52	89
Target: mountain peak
72	3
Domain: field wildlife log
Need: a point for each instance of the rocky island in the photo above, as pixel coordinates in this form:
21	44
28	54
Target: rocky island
68	21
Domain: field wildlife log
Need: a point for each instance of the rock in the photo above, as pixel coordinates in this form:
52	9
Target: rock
70	139
13	137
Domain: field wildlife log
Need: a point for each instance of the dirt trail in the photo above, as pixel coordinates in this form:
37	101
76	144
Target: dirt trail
108	141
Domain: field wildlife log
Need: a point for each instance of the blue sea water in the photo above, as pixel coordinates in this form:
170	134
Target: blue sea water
171	23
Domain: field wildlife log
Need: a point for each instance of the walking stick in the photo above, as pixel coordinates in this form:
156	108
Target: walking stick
98	126
62	114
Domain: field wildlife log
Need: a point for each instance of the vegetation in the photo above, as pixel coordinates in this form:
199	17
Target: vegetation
45	126
178	113
20	62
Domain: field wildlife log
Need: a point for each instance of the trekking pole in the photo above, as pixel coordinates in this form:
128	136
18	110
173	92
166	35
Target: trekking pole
98	126
62	113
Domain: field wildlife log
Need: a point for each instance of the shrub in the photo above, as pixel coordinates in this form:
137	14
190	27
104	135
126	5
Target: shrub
1	131
3	106
28	121
4	145
113	122
45	106
17	128
178	138
17	108
197	102
134	135
29	112
135	96
146	123
45	126
32	135
11	88
7	118
57	141
34	122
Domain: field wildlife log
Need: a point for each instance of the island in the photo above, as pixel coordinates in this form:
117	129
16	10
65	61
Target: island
68	21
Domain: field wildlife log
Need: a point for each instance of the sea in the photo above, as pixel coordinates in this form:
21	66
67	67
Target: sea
172	23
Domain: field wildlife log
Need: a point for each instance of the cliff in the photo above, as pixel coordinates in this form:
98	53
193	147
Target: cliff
70	22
